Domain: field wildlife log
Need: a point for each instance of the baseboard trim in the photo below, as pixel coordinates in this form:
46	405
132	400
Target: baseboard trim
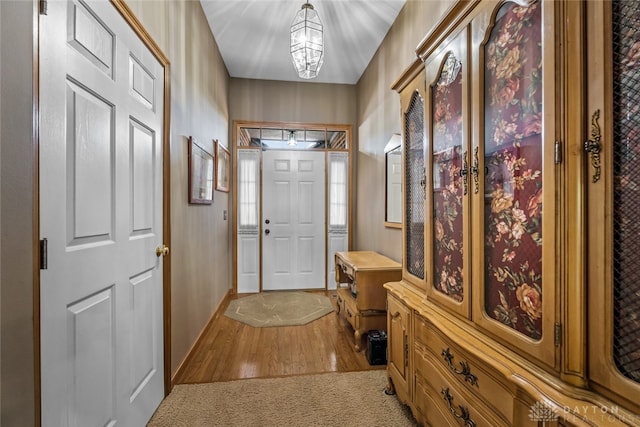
217	312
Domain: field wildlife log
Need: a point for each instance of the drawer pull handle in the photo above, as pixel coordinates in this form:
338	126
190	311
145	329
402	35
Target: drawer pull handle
464	370
464	411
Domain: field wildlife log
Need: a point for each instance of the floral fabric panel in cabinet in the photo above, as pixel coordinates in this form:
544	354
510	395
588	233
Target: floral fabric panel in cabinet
447	149
415	192
513	169
626	182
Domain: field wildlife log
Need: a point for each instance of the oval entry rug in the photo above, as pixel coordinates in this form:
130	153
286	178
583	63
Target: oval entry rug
279	308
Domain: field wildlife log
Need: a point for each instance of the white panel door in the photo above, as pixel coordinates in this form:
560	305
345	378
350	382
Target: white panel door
293	212
101	98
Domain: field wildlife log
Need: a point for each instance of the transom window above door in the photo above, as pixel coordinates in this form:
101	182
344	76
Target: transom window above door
293	138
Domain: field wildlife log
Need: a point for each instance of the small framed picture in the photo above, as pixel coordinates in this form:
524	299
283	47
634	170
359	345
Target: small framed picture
222	167
200	174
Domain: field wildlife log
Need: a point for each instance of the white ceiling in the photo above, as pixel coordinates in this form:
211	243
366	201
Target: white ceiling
253	36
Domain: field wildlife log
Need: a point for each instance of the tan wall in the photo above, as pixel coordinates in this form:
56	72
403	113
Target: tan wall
294	102
200	245
379	117
17	202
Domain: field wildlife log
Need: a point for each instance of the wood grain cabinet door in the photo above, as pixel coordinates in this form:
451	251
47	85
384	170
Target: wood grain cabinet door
398	326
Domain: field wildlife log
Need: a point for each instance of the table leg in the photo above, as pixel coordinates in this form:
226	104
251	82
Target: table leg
357	335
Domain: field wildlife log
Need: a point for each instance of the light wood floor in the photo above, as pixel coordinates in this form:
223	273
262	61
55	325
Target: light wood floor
231	350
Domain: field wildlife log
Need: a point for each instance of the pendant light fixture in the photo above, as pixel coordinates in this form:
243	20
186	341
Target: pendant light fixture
307	42
292	139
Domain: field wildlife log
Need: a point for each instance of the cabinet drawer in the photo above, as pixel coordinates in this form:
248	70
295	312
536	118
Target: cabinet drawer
344	268
467	370
350	311
436	387
370	288
348	270
340	303
429	411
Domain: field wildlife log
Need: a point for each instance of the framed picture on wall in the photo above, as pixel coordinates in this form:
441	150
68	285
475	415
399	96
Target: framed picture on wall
222	167
200	174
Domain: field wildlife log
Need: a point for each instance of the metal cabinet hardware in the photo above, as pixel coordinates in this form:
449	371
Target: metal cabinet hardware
464	370
593	146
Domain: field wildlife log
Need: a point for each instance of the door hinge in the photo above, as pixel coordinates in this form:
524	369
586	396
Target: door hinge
557	153
43	7
44	246
557	334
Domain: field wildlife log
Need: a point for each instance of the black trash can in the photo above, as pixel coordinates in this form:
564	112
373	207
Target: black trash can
377	347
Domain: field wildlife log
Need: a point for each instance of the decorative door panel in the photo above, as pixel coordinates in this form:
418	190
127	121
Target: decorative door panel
90	147
144	331
514	176
91	352
413	119
613	209
448	142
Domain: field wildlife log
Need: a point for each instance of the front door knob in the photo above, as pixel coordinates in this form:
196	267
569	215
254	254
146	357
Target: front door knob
267	231
162	251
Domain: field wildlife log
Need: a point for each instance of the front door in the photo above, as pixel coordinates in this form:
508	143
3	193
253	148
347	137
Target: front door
101	121
293	220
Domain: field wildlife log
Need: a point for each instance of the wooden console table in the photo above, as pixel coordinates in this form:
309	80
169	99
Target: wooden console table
363	301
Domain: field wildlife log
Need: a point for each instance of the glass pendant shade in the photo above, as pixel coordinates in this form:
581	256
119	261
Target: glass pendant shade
307	42
292	138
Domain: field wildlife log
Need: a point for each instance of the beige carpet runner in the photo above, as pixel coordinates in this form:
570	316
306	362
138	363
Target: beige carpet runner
279	308
354	399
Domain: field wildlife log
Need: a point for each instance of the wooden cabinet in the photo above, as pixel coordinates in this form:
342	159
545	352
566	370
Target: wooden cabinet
520	296
363	302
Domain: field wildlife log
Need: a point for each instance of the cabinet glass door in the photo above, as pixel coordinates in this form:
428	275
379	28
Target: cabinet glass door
517	178
513	170
414	174
613	184
448	169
